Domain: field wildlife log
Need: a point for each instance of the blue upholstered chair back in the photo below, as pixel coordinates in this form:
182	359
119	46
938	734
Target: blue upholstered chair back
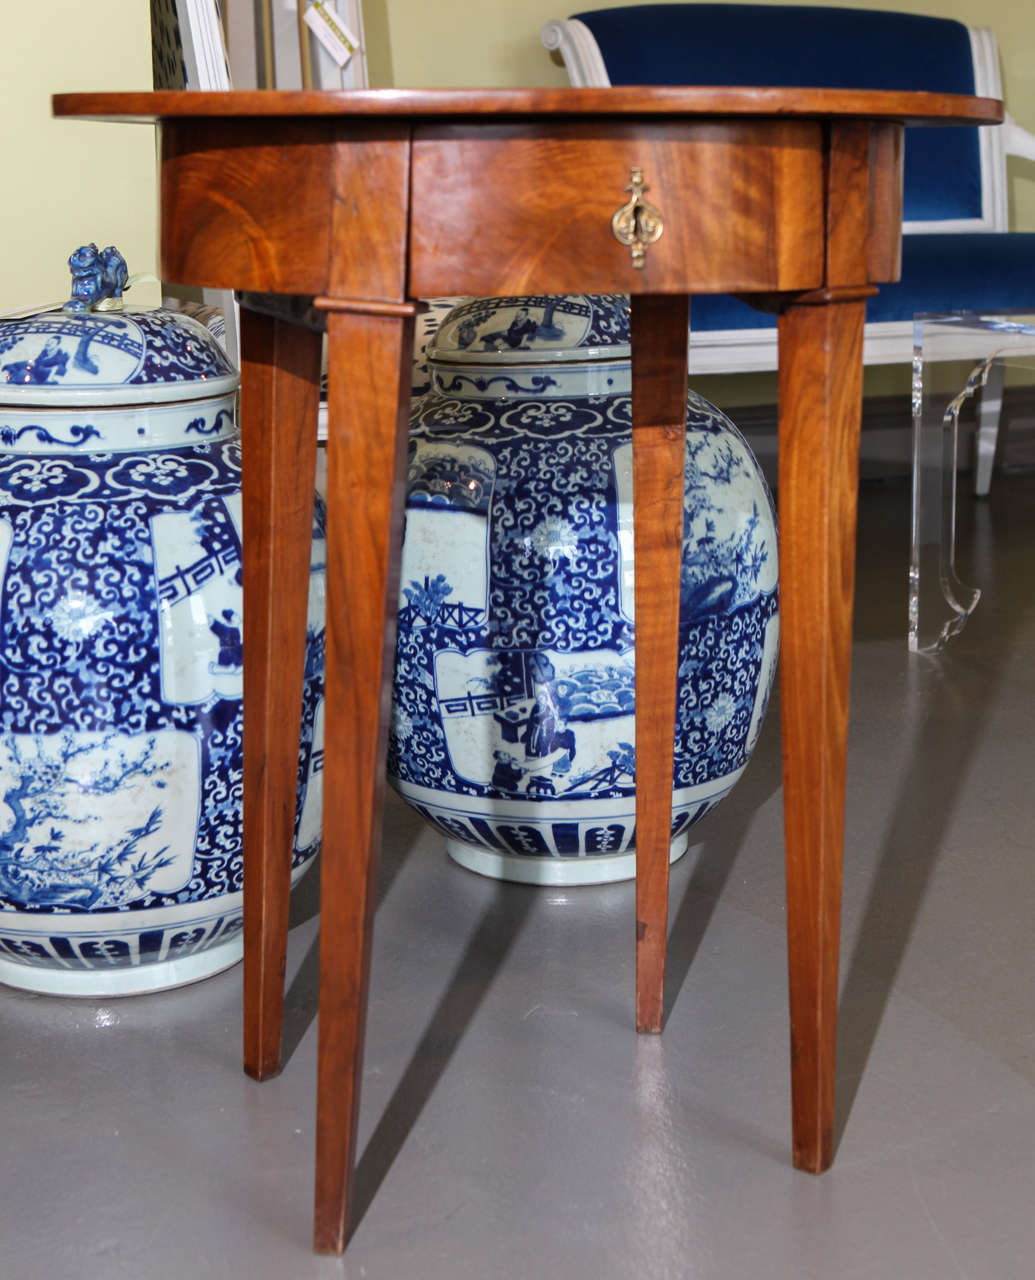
789	46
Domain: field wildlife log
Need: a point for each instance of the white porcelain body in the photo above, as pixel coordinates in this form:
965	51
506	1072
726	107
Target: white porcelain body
514	726
121	684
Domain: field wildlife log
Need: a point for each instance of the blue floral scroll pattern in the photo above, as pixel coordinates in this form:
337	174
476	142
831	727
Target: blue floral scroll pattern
77	435
417	744
162	474
154	347
56	872
44	480
605	319
553	541
174	353
554	585
720	661
218	424
79	647
59	348
177	474
501	384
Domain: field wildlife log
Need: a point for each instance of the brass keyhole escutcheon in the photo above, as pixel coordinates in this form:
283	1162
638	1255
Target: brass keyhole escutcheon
637	223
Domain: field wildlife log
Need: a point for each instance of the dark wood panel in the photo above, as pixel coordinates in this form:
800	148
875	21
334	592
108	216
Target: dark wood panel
225	222
820	391
538	214
848	203
884	250
280	384
658	340
369	361
370	211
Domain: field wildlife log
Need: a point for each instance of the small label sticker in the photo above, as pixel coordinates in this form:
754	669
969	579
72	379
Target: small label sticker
324	22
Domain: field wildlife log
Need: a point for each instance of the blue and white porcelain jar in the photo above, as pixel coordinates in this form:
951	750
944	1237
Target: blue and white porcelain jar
120	656
514	716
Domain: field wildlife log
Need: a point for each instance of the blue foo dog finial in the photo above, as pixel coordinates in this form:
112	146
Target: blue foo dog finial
97	274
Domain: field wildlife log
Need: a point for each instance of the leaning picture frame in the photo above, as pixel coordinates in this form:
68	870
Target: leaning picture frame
188	51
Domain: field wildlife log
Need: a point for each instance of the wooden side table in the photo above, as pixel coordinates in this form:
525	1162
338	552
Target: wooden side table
358	202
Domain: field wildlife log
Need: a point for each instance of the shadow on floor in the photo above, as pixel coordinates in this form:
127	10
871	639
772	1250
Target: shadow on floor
463	993
724	829
945	715
301	1000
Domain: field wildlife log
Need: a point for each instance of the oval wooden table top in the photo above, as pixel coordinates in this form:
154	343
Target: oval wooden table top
625	101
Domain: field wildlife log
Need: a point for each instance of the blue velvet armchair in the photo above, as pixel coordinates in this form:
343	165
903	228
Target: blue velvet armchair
958	254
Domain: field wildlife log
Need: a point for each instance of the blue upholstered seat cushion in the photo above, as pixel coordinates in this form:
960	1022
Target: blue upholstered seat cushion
976	271
807	46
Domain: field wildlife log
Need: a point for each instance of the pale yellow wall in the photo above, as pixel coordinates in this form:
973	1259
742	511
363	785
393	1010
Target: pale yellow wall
69	182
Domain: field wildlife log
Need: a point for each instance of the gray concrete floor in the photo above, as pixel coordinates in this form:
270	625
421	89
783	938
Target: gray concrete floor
513	1125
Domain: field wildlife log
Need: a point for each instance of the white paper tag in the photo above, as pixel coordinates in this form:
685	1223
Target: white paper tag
322	19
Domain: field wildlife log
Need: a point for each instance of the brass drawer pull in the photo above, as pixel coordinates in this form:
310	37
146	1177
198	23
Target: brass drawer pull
637	223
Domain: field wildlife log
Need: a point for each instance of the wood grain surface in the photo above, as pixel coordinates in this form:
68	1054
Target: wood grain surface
226	223
848	202
659	356
820	409
370	211
280	370
368	407
754	223
619	100
884	243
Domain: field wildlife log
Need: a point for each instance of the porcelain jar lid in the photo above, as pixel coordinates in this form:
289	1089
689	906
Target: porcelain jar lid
535	329
498	348
81	356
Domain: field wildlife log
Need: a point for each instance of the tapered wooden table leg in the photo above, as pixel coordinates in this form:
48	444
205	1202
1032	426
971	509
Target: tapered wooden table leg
279	402
369	359
659	328
820	390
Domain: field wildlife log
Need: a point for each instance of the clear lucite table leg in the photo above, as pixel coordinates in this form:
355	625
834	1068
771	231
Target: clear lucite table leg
987	436
939	603
956	357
